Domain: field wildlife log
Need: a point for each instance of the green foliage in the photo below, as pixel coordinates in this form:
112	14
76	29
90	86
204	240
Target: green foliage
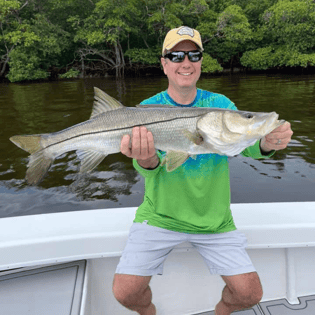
13	31
38	36
232	24
72	73
290	26
264	58
31	61
254	10
143	56
207	25
6	8
258	59
231	32
292	23
25	66
210	65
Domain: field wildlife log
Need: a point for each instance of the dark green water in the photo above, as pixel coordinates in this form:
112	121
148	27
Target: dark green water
48	107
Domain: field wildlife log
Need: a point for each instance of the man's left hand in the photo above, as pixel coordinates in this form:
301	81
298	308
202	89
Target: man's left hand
277	139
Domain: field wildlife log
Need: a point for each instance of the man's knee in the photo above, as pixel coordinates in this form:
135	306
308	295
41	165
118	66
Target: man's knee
246	289
129	290
250	295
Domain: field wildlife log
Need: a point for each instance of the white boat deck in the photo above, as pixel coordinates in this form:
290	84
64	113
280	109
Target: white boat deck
279	307
64	283
64	263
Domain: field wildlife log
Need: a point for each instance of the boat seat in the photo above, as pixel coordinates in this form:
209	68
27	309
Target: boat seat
49	290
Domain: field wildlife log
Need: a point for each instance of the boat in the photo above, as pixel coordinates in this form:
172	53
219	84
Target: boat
64	263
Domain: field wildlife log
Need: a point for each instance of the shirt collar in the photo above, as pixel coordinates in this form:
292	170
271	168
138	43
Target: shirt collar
181	105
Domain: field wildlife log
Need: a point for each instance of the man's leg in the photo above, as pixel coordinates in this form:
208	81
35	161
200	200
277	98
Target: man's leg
134	293
241	291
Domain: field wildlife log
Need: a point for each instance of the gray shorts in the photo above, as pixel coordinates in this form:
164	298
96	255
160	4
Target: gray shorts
148	246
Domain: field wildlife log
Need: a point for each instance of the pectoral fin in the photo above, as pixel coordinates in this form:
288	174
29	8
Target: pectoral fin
89	159
195	137
174	159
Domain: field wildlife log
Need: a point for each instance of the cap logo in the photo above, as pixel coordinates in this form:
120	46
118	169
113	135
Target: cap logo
186	31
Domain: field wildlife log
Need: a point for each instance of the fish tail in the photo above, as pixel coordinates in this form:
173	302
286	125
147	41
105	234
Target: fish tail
39	161
29	143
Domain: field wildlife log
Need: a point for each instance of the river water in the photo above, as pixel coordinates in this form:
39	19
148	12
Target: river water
51	106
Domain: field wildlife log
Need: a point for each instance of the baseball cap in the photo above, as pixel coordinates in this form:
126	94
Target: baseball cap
179	34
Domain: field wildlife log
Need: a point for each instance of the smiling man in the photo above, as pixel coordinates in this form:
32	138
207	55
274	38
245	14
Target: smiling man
191	203
182	76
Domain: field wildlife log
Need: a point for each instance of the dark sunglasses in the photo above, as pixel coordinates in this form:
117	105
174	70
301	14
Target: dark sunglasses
179	56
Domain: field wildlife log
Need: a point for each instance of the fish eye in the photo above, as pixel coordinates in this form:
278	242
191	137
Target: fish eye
249	115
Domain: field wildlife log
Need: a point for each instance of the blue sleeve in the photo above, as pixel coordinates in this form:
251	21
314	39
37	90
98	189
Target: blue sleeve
210	99
225	102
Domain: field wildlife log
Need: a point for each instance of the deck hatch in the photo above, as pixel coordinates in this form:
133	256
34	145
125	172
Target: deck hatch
46	290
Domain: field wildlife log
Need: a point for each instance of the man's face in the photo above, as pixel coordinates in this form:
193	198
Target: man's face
182	74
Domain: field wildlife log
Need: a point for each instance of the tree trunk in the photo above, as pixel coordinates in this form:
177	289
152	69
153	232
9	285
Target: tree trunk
82	68
4	67
120	62
7	59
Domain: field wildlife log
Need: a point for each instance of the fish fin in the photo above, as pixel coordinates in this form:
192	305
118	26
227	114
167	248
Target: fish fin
38	166
89	159
156	106
103	103
39	163
28	143
195	137
174	159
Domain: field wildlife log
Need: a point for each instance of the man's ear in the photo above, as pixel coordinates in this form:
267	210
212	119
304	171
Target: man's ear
164	62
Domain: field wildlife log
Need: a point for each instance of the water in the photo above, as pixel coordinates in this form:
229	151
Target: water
47	107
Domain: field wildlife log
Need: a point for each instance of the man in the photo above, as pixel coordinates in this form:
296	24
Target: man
191	203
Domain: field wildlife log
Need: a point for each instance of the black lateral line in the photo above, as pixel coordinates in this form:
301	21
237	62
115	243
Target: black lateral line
110	130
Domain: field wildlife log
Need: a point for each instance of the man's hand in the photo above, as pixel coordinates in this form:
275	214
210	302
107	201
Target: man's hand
142	147
278	139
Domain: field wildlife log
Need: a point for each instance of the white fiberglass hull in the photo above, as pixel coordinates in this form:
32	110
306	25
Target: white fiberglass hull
281	239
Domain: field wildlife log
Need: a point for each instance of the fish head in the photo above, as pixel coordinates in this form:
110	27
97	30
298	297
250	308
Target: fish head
250	124
229	132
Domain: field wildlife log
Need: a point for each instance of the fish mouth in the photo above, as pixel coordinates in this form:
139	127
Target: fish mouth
278	122
281	122
268	122
273	122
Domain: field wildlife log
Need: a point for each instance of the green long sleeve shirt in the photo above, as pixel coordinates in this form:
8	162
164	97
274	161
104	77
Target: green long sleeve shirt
194	198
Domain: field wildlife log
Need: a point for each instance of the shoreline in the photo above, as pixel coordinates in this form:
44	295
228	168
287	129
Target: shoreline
153	72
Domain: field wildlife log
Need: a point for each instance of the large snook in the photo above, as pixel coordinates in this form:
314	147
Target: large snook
181	132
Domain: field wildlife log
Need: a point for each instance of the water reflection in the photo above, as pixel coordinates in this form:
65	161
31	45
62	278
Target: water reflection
48	107
105	185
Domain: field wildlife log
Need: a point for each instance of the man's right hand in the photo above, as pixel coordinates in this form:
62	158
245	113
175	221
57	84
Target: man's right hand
142	147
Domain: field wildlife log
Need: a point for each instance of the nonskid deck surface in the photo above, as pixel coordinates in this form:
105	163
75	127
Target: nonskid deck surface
279	307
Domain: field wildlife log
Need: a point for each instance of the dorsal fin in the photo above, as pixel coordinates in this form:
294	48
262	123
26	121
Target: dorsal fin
103	103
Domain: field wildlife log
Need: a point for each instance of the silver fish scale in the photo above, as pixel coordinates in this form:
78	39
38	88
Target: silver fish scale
104	132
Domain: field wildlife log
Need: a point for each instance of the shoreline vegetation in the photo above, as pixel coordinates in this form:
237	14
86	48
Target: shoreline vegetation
65	39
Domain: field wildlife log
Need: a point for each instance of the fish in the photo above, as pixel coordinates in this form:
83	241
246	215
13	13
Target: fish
180	132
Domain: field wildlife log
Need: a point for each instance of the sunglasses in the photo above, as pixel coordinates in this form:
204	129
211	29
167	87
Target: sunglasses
179	56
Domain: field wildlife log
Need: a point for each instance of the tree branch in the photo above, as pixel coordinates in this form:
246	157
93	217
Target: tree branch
25	4
92	2
6	58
